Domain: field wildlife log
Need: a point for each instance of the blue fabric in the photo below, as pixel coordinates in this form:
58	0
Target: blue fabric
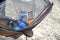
16	28
21	25
22	16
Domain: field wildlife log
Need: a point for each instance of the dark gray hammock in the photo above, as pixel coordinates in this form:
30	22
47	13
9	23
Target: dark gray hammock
27	31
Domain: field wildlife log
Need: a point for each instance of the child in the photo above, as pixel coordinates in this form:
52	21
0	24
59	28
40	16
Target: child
22	22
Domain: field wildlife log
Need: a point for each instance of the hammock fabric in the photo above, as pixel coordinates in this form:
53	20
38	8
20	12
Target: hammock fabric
27	31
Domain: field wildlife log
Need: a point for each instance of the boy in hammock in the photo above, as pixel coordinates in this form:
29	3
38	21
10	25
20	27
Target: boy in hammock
22	22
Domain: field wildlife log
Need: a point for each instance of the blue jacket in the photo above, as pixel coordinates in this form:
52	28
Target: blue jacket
21	25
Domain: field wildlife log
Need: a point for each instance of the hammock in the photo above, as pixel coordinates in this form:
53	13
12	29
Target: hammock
27	31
